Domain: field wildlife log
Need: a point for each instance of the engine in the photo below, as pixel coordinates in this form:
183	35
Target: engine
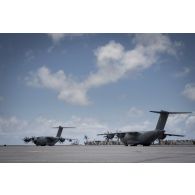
120	135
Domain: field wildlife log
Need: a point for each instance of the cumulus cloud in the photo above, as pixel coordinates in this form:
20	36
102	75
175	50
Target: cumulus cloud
114	62
189	91
190	123
181	124
68	89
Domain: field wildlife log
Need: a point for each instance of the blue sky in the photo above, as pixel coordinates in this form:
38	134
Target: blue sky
97	82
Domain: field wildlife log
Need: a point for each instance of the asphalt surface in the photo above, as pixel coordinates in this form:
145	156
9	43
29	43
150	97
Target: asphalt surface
97	154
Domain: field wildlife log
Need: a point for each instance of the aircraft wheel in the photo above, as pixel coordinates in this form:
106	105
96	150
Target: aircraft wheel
125	144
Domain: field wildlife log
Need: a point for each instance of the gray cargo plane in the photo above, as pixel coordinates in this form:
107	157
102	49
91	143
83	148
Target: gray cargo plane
146	138
49	140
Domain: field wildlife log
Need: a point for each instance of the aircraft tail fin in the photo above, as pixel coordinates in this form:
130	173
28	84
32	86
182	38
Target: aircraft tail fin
59	133
60	128
163	118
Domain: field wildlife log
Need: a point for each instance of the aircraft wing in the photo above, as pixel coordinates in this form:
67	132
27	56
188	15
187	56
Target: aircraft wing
133	132
50	138
107	134
168	134
27	139
121	133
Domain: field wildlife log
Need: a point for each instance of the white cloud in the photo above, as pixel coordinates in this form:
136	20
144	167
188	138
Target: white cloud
86	126
12	124
114	62
184	72
29	54
189	91
176	123
68	90
50	49
190	123
57	37
181	124
143	126
135	112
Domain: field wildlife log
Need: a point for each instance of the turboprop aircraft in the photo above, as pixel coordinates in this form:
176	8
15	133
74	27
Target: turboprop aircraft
49	140
145	138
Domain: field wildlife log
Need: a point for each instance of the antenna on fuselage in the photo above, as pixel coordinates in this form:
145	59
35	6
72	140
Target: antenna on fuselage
60	128
163	118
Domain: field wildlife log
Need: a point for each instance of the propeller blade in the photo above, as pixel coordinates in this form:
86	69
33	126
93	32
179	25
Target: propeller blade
27	139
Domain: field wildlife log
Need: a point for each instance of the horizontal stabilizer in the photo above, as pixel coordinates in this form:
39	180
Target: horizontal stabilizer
168	134
106	134
163	111
63	127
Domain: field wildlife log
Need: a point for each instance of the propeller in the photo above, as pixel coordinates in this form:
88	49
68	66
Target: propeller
109	136
27	139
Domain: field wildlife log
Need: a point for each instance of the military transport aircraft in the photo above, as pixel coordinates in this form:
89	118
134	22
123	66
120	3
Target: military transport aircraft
49	140
146	138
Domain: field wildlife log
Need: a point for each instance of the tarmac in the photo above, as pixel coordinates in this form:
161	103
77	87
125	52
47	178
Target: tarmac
98	154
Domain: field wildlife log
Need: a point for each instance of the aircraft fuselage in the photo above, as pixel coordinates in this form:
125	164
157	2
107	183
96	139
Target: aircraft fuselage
141	138
45	141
